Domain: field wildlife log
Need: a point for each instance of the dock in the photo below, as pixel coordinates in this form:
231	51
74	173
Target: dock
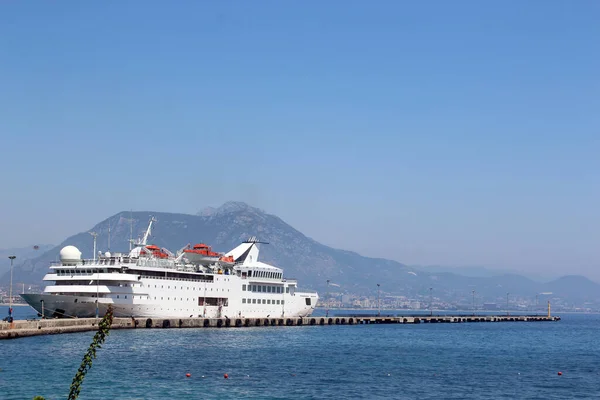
25	328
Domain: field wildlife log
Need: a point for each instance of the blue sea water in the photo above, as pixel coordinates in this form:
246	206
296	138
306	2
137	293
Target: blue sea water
512	360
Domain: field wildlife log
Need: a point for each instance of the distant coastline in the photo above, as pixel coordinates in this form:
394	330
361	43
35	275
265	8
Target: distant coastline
480	312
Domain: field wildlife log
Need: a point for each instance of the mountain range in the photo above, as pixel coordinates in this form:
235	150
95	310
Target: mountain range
301	257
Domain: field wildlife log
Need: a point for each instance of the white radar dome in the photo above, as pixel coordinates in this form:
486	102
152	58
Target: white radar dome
107	254
70	254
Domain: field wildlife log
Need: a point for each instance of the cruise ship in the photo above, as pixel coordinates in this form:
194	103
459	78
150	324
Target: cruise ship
149	281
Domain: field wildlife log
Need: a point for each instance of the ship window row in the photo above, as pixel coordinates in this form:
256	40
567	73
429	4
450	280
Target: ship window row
68	272
264	289
265	274
188	288
94	282
262	301
144	274
168	298
175	277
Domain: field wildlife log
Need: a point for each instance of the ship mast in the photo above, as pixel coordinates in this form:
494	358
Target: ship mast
94	234
144	241
130	229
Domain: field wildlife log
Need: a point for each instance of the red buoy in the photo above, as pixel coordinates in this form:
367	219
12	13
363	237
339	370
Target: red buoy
188	374
559	373
226	376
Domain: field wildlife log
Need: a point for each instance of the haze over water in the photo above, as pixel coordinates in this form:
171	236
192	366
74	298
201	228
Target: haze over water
427	361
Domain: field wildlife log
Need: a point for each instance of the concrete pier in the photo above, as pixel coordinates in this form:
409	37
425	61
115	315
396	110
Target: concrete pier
23	328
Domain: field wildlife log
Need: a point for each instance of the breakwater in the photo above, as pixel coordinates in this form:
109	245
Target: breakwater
23	328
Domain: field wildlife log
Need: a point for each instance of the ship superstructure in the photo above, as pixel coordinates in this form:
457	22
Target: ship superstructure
149	281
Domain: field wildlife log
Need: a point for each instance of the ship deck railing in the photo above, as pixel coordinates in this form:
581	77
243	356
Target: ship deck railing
90	262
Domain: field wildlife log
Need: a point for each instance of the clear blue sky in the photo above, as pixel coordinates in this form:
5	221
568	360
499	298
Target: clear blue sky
453	133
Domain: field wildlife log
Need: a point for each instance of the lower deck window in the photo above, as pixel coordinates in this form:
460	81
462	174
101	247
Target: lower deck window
213	301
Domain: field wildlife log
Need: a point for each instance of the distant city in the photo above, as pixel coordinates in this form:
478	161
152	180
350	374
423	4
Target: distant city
339	300
420	303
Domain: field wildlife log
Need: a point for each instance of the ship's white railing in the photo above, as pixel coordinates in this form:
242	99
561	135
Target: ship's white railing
88	262
192	278
187	268
91	271
83	266
107	276
156	263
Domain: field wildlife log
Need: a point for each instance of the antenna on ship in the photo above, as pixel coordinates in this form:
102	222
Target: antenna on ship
94	234
109	235
130	229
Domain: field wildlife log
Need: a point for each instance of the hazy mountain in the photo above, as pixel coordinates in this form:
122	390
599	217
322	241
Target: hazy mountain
224	228
482	272
573	287
301	257
22	254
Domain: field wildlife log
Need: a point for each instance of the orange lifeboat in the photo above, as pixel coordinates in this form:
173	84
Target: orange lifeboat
227	260
201	254
155	251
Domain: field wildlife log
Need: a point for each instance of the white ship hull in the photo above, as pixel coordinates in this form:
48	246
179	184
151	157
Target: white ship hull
57	306
171	306
139	284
